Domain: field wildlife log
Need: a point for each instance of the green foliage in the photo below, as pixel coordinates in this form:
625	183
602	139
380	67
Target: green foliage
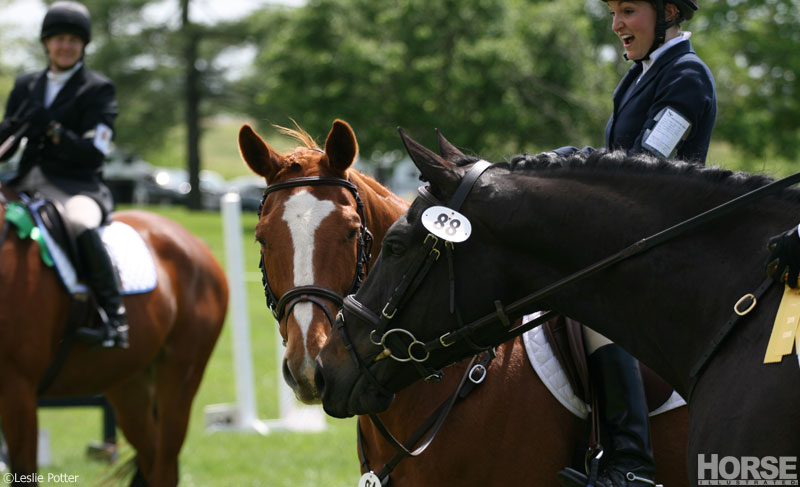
498	76
145	61
751	47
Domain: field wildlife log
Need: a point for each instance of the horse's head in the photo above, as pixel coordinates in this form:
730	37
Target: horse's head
386	335
314	243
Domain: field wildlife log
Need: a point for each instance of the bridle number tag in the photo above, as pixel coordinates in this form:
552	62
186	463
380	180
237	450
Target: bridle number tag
369	479
446	224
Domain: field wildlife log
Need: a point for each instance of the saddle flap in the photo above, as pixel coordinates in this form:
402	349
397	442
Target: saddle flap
566	339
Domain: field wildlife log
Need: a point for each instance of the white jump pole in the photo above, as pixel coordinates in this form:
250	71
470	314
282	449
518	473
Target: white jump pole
243	417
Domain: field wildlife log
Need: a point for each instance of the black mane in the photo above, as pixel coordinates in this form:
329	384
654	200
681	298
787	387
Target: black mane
619	161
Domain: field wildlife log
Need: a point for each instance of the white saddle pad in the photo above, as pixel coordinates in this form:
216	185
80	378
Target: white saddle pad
131	257
128	251
549	369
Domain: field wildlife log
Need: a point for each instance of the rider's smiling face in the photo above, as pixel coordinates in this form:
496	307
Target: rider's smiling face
63	51
634	23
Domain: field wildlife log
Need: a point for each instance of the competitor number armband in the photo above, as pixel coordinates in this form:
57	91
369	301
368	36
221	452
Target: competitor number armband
670	129
101	137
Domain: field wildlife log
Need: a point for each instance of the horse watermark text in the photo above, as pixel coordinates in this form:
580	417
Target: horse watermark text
727	470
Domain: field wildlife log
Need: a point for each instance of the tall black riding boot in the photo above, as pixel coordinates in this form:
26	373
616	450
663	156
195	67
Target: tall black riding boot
102	279
627	455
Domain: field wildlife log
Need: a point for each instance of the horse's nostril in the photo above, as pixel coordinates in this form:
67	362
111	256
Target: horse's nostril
287	375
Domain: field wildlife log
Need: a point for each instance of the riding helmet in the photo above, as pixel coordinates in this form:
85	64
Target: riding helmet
66	16
686	7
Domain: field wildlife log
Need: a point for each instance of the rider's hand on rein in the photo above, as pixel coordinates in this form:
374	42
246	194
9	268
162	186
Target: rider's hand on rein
784	258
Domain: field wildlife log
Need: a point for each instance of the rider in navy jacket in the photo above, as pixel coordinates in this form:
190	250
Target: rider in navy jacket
677	80
665	105
670	78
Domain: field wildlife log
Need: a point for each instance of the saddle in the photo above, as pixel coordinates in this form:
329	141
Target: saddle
129	253
566	339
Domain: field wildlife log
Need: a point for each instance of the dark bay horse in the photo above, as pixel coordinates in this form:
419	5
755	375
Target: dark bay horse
534	223
150	385
510	429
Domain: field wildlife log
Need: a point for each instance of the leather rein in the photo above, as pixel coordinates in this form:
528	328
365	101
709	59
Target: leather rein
283	306
418	352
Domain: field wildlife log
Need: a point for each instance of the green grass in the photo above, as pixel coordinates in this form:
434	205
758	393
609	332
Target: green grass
221	458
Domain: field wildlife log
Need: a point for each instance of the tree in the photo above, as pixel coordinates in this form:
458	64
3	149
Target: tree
164	73
751	46
498	77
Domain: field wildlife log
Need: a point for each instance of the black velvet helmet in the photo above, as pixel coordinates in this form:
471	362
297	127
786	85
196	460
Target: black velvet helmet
67	17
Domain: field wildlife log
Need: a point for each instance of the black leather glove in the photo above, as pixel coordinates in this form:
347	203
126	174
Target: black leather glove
37	118
15	120
783	263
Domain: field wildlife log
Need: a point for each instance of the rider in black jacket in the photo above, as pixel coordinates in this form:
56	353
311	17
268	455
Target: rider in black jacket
66	112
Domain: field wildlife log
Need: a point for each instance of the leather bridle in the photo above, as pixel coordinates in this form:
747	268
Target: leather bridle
390	339
418	352
282	306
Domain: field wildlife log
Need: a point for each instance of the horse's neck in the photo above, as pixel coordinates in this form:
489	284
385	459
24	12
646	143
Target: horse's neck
381	206
674	296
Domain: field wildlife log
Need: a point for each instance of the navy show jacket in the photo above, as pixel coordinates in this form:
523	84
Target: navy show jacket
678	79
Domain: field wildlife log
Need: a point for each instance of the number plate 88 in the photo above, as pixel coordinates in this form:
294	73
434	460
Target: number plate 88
446	224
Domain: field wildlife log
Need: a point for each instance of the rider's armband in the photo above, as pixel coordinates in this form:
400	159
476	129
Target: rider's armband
669	129
101	137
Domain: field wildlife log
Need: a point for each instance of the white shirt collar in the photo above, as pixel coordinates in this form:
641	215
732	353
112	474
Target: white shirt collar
63	76
682	36
56	81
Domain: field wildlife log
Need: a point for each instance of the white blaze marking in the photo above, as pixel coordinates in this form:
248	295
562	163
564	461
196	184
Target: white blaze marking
303	213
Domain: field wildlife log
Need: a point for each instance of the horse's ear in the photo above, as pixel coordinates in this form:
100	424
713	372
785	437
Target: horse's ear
258	155
440	173
448	150
341	146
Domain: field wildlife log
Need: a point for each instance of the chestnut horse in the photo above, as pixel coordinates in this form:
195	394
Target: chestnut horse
509	431
151	384
544	218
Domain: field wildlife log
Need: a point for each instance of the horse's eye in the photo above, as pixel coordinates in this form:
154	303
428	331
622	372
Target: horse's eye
395	248
352	234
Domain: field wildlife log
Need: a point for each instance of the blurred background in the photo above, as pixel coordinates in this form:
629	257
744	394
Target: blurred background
497	77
